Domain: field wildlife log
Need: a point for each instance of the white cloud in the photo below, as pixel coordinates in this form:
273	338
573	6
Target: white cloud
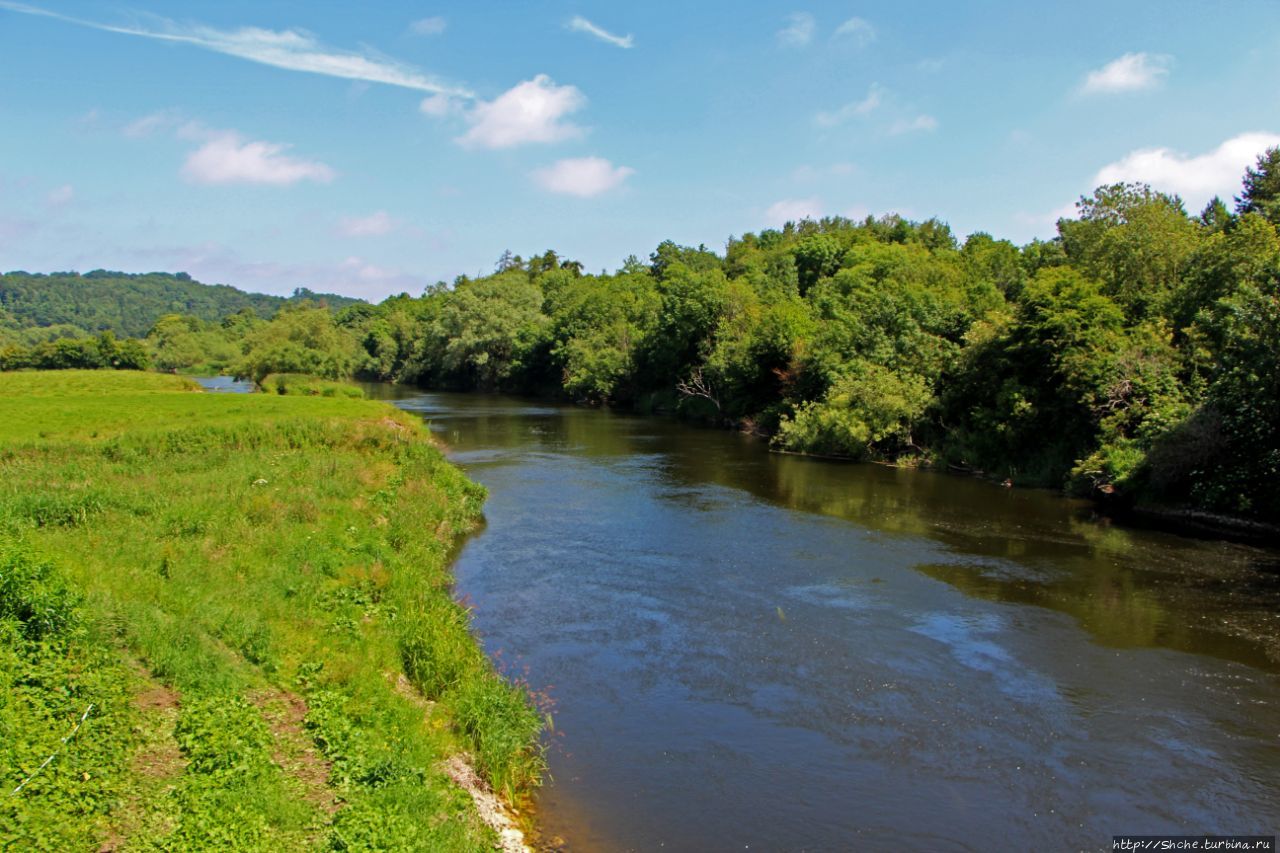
374	225
1196	178
793	210
1132	72
531	111
858	30
582	176
854	109
294	50
922	122
213	262
432	26
799	30
580	24
60	196
150	124
227	158
439	105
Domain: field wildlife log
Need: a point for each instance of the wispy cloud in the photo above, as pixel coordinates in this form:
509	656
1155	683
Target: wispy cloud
799	30
439	106
61	196
919	124
580	24
228	158
1132	72
858	30
793	210
152	123
293	50
582	176
1197	178
532	111
432	26
853	109
375	224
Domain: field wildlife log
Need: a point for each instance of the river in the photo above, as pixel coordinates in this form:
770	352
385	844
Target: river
755	651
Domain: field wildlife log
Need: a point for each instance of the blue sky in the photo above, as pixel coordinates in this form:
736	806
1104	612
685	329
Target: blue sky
370	149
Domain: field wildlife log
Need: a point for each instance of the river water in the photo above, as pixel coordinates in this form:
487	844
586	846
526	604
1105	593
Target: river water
755	651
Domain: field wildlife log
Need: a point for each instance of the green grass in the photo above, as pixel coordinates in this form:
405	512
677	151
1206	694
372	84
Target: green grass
211	550
311	386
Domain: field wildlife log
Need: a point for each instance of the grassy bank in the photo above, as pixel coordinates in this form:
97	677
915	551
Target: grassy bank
249	596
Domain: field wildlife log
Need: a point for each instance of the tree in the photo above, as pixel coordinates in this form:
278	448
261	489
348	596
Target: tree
1262	187
301	339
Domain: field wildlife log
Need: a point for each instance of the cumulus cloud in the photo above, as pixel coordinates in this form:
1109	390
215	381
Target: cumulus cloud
793	210
432	26
374	225
799	30
228	158
1132	72
580	24
294	50
854	109
858	30
582	176
1197	178
532	111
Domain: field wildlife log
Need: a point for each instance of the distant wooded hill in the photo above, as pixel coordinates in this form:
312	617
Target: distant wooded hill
128	304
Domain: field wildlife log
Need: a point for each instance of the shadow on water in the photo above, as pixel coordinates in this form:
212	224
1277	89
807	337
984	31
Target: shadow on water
749	648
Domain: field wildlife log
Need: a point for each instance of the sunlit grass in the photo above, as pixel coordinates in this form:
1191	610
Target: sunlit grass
224	544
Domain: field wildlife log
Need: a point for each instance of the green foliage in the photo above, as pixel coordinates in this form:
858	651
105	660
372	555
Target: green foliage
76	353
311	386
32	595
485	332
128	304
1261	193
56	673
872	408
301	340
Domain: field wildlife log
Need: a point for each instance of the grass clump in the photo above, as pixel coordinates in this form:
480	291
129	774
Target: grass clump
310	386
172	557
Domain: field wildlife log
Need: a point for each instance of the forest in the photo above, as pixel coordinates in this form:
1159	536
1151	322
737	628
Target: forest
35	307
1134	357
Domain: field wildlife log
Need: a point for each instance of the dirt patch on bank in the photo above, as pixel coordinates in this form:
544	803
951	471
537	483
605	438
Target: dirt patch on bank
294	751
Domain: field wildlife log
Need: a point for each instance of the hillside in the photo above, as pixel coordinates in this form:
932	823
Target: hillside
126	303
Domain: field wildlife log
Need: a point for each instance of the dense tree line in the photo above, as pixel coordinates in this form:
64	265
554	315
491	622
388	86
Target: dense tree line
85	353
1136	354
125	304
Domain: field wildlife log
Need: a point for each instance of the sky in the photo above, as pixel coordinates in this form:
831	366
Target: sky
376	148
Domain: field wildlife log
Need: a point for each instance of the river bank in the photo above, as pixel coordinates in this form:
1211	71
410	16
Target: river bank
251	596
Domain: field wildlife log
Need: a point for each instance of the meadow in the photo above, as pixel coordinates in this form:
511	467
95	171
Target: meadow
246	601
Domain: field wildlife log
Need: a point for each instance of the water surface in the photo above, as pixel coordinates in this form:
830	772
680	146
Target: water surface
754	650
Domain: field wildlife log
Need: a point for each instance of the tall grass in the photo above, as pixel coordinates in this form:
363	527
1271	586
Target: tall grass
214	546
